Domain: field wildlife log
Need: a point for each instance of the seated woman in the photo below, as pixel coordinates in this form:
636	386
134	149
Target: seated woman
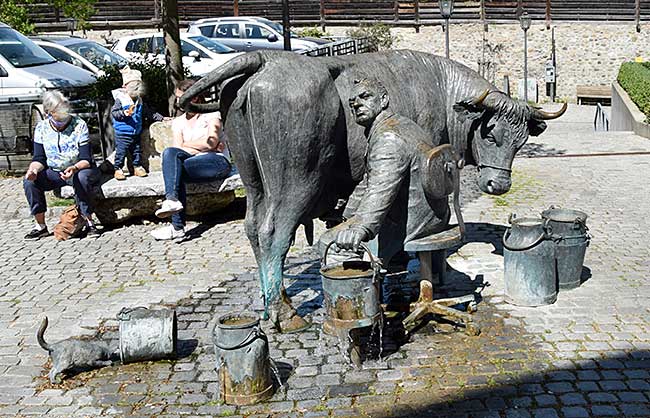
62	156
198	154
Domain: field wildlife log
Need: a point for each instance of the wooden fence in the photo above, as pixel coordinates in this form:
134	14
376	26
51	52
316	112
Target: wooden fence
118	13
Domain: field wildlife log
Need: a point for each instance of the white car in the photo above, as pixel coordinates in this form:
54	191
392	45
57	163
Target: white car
81	52
200	54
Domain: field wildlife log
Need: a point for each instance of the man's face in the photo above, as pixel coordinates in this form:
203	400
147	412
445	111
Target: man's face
366	104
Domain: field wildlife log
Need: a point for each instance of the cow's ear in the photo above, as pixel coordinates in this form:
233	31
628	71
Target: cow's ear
536	127
467	111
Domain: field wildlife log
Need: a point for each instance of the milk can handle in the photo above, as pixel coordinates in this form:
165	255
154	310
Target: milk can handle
373	261
255	332
546	233
125	313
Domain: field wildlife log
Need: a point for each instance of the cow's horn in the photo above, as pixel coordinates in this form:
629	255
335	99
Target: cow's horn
246	64
477	101
542	115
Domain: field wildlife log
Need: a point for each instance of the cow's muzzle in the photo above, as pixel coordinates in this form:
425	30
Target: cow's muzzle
494	181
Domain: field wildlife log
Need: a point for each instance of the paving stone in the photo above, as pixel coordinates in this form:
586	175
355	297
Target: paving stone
604	411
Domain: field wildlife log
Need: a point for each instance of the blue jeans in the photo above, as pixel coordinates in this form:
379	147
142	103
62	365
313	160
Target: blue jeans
83	183
180	167
125	144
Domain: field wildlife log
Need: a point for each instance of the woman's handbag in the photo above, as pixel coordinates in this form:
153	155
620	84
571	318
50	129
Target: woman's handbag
71	224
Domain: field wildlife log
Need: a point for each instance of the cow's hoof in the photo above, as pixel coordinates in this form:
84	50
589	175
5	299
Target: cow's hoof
293	324
285	319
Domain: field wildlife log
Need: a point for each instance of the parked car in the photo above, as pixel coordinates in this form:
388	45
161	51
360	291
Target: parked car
200	54
26	71
250	33
81	52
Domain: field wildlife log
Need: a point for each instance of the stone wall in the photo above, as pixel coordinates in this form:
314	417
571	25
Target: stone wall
587	53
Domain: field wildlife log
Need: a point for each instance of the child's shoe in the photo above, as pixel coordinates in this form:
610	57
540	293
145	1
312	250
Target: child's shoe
140	172
119	174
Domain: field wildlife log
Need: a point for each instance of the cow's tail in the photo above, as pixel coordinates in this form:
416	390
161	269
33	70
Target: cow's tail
248	63
40	335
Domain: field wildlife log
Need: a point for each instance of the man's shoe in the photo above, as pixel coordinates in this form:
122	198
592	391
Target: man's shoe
168	208
140	172
168	233
37	233
119	174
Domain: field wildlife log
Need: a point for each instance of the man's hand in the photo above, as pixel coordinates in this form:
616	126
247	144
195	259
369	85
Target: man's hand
69	172
350	239
31	174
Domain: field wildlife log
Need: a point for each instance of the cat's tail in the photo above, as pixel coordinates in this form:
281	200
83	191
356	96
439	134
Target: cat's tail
40	333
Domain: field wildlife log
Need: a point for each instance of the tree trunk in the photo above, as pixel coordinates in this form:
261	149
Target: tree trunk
172	50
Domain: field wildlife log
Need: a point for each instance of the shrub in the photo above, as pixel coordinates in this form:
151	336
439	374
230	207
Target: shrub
16	15
312	32
378	35
153	76
635	79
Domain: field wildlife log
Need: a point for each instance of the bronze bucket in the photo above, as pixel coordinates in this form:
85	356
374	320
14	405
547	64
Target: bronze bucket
351	294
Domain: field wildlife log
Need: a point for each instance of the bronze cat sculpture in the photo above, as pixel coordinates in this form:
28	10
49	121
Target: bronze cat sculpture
73	354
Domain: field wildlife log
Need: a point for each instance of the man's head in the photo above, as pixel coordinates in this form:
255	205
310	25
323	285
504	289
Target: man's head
368	99
132	82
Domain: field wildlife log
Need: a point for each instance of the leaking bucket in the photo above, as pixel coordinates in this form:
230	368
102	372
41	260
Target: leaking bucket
571	241
529	257
351	294
147	334
243	362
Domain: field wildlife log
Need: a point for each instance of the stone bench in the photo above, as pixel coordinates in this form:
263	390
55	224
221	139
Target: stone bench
117	201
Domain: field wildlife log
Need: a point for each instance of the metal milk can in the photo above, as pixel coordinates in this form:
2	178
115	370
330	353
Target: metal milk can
243	362
571	241
351	294
529	271
147	334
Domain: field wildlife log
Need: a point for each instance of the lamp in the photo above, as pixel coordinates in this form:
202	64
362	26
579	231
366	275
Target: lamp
525	21
446	8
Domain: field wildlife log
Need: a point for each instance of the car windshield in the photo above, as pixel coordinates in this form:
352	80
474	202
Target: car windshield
20	51
97	54
213	46
277	27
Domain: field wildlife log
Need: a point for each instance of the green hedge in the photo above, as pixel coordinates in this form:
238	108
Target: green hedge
634	77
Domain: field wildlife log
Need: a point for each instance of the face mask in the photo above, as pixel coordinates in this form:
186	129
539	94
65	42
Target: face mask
59	125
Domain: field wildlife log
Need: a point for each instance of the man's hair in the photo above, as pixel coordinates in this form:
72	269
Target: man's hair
372	84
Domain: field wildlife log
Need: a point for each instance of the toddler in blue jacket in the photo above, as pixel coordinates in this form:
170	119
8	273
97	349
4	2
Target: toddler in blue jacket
128	114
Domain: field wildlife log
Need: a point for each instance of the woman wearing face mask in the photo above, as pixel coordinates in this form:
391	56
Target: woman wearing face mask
62	156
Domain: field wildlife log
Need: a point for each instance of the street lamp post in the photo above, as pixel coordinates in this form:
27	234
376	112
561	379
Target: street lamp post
446	9
525	22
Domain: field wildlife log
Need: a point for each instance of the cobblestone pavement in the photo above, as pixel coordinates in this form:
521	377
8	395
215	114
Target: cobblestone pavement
586	355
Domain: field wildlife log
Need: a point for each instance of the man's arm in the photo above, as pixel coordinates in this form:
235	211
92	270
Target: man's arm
387	166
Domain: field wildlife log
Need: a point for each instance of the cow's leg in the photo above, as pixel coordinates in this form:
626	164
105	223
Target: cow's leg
274	237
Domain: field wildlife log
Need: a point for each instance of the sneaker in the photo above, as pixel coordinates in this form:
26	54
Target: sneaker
119	174
168	233
37	233
92	231
140	172
168	208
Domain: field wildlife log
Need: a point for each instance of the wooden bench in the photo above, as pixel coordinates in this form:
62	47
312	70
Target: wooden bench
599	94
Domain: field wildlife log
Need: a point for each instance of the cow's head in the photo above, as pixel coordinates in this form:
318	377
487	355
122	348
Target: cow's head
500	126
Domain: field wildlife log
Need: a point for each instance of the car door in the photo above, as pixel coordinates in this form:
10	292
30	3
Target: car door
62	55
229	34
138	47
260	37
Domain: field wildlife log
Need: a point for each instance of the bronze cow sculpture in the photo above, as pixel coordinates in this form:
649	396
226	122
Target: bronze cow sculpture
299	149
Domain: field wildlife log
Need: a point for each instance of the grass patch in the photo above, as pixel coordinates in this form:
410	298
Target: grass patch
523	190
57	201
